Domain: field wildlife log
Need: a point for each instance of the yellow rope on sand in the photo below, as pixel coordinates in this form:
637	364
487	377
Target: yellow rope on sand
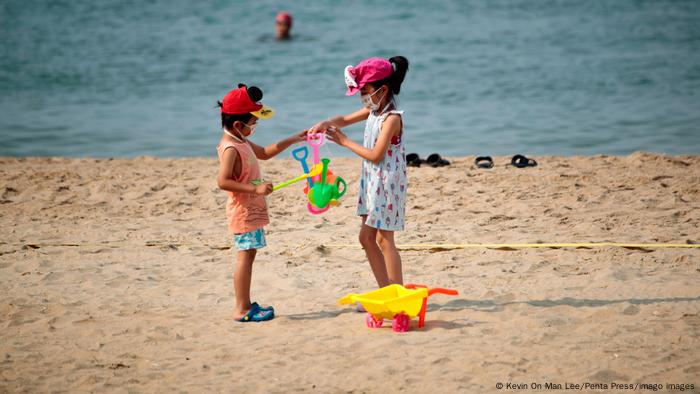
529	246
439	247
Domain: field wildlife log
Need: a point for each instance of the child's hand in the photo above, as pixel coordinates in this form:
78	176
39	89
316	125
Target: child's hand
263	189
336	135
320	127
300	137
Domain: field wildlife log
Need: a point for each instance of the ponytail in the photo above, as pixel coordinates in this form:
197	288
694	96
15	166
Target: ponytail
394	81
400	65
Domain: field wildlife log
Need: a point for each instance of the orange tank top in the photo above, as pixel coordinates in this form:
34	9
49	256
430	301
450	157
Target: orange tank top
244	211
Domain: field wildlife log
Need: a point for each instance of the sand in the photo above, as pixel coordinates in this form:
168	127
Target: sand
116	277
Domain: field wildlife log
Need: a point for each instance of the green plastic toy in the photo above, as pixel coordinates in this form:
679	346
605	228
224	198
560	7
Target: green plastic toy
321	193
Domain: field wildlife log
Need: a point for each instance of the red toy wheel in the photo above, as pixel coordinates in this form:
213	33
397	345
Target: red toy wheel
373	322
401	322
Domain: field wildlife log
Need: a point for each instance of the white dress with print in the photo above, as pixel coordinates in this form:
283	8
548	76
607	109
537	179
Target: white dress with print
383	186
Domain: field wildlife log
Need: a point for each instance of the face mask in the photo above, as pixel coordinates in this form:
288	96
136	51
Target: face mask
368	102
251	127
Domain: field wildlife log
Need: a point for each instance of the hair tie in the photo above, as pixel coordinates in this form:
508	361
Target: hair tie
393	65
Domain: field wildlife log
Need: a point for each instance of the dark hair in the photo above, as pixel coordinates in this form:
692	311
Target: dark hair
227	120
394	81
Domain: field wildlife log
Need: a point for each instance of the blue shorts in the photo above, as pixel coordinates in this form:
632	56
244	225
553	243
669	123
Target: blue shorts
251	240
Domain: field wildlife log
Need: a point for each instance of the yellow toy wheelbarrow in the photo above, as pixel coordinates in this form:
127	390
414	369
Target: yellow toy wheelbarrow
396	302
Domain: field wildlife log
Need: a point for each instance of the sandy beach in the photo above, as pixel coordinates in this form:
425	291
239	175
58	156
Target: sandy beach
116	277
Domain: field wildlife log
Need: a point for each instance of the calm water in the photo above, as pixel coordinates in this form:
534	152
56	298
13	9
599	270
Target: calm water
129	78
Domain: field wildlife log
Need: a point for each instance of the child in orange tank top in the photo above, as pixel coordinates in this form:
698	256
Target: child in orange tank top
239	175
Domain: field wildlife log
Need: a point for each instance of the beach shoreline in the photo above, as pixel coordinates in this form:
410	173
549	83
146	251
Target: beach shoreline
116	276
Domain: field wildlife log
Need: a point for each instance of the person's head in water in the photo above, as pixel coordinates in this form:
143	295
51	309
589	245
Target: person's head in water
377	79
283	25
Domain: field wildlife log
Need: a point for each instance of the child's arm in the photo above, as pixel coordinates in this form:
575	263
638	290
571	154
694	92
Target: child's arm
390	128
270	151
228	175
340	120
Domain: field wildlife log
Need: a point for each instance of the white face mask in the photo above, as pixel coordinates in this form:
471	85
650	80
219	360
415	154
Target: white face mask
368	102
251	127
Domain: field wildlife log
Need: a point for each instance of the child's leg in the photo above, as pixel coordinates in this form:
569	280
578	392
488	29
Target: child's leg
368	240
385	239
241	281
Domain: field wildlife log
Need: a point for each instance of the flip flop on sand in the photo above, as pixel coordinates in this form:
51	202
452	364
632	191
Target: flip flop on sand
257	315
483	162
435	160
521	161
413	160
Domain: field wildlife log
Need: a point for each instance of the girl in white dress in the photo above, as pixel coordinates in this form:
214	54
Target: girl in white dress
383	181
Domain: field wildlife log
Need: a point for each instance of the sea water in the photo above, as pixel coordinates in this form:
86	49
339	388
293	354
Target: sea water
488	77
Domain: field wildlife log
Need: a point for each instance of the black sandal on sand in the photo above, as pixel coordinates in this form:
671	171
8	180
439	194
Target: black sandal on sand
521	161
435	160
413	160
483	162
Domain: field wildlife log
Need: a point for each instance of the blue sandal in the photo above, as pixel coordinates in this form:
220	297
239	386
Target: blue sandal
263	308
257	315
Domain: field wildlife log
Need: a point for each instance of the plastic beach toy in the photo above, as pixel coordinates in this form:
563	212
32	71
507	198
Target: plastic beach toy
322	193
300	155
316	170
327	185
396	302
316	140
